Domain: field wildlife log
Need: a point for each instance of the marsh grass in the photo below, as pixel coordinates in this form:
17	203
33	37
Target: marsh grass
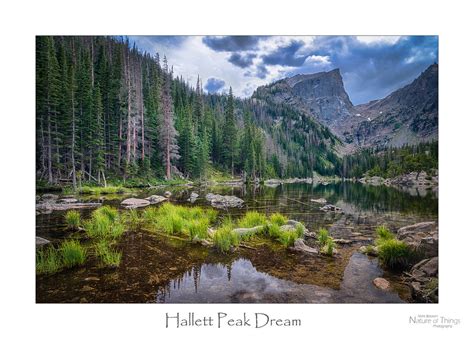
383	234
103	190
252	219
225	237
107	256
73	219
175	219
278	219
48	260
104	223
323	236
132	218
328	247
72	253
394	253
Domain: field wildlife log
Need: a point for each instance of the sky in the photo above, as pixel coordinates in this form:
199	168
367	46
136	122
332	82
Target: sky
371	66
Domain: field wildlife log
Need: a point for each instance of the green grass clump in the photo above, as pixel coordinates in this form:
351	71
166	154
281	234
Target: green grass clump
175	219
299	230
328	247
73	219
287	238
252	219
105	223
225	237
73	254
394	253
323	236
103	190
383	233
48	260
132	218
107	255
278	219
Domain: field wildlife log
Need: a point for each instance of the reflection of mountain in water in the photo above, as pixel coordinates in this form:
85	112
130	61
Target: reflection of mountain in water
240	282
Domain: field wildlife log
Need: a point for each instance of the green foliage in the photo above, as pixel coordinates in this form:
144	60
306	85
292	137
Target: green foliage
225	237
328	247
323	236
73	219
132	218
73	254
48	260
252	219
104	223
175	219
394	253
278	219
383	233
97	190
288	237
107	255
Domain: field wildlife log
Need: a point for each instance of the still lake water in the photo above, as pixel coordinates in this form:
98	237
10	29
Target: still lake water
157	269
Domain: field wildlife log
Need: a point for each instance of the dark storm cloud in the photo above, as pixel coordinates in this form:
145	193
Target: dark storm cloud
234	43
242	60
214	85
286	56
370	71
262	72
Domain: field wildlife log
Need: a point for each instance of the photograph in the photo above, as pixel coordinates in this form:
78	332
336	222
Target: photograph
224	169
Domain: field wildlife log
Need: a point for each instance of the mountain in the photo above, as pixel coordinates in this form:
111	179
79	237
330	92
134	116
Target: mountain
407	116
321	95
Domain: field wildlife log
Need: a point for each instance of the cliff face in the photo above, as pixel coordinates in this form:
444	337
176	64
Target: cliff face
406	116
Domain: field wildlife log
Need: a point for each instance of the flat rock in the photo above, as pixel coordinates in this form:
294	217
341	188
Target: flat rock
421	237
224	201
319	201
68	200
193	197
135	203
41	242
155	199
381	283
330	208
48	207
250	230
300	246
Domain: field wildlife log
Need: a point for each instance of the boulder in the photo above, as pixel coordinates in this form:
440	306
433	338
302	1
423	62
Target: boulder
193	197
135	203
330	208
167	194
155	199
224	201
300	246
321	201
40	242
49	196
381	283
423	280
68	200
422	238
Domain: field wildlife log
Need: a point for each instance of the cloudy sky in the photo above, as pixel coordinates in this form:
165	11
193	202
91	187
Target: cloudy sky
371	66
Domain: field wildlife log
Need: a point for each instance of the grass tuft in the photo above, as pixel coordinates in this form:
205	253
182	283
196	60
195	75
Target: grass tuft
107	255
278	219
105	223
73	254
323	236
225	237
252	219
394	253
48	260
73	219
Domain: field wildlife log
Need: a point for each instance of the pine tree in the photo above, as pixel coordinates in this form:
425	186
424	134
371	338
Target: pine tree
229	138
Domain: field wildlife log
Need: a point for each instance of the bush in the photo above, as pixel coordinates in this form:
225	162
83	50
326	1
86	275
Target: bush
252	219
394	253
73	254
73	219
48	260
225	237
278	219
107	255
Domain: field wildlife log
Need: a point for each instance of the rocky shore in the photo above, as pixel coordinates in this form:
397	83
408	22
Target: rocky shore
419	180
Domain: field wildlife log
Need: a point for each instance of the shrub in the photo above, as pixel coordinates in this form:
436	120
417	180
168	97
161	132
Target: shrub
107	255
252	219
394	253
73	254
225	237
278	219
73	219
48	260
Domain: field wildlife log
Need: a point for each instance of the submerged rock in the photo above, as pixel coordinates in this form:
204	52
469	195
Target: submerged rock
381	283
155	199
48	207
224	201
135	203
40	242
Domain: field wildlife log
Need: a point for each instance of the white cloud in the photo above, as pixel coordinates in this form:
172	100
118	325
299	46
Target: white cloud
318	59
379	39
